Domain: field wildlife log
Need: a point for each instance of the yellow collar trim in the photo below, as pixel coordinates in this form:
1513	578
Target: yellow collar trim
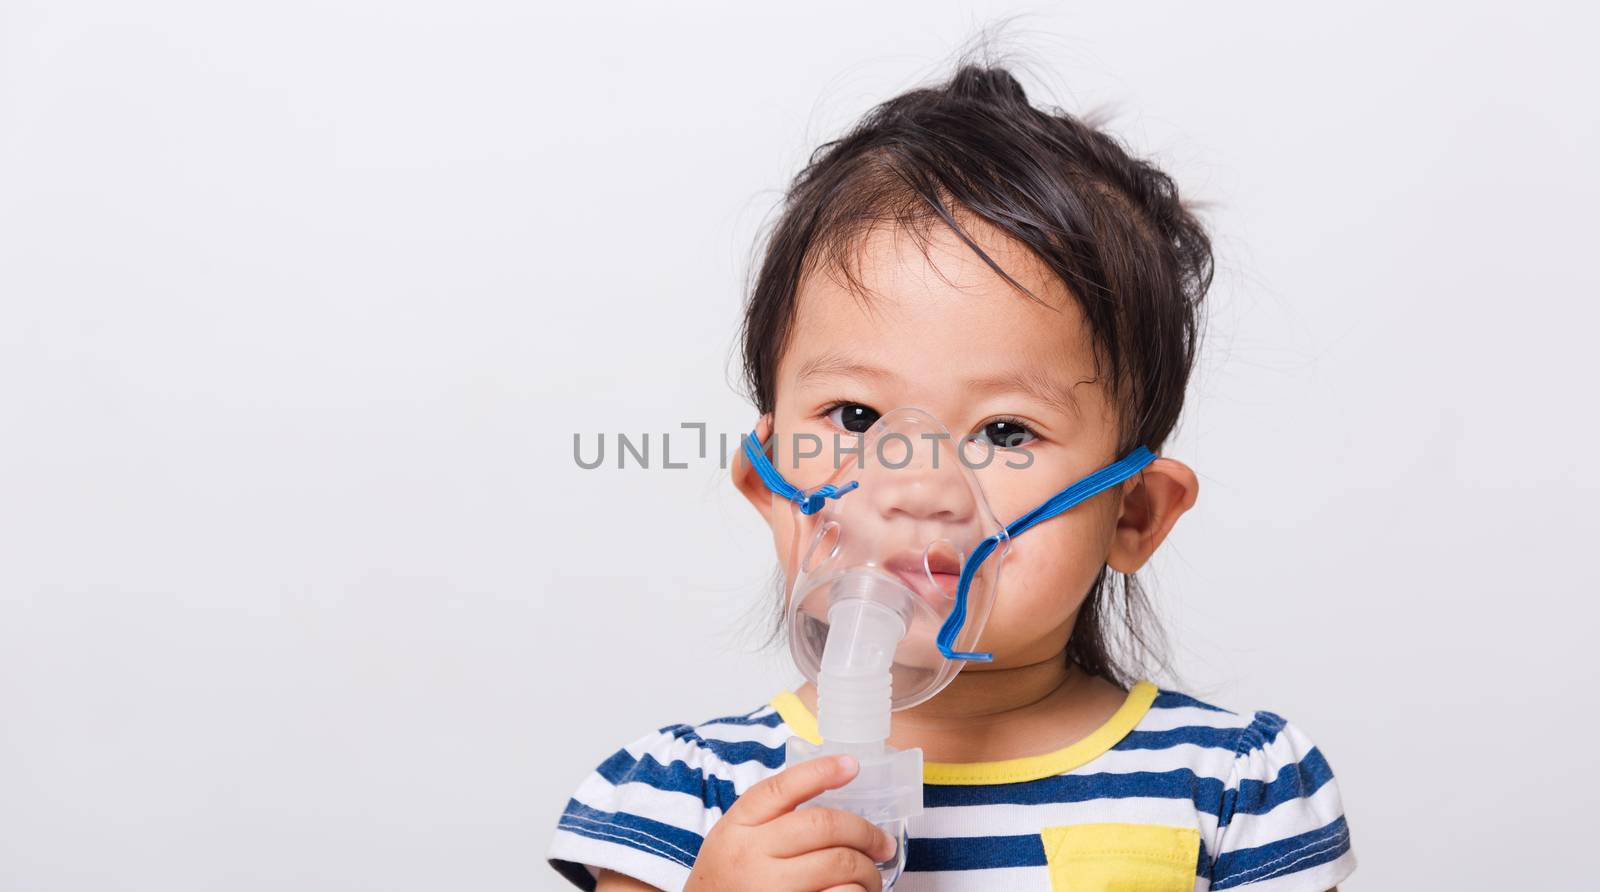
1006	771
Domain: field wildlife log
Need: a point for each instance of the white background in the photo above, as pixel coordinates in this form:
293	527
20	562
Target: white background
301	305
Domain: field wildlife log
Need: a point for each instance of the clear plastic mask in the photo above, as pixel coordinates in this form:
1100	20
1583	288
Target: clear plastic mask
900	539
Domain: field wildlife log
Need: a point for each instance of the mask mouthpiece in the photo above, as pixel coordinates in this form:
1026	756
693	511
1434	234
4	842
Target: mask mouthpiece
867	619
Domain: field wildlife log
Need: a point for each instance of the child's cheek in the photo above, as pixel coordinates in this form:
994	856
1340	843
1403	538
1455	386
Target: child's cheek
1044	580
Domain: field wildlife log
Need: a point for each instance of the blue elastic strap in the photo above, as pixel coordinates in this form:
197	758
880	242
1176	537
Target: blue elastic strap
810	503
1092	485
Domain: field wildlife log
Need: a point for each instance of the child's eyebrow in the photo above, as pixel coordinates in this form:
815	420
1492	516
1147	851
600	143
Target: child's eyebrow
1040	387
834	365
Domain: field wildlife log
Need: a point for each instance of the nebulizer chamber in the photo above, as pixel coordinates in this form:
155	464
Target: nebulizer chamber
877	579
865	623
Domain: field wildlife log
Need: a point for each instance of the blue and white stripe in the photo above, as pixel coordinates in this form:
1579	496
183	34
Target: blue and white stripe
1261	795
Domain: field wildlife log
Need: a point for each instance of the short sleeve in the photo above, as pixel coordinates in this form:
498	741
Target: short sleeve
643	812
1282	825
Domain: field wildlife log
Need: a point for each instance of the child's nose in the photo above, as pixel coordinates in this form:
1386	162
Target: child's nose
922	491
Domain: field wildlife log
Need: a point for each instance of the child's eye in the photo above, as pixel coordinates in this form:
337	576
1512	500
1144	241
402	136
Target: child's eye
854	417
1006	433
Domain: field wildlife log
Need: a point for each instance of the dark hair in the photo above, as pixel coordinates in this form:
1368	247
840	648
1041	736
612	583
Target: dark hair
1110	225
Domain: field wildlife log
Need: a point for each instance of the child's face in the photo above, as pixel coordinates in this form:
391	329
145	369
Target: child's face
946	334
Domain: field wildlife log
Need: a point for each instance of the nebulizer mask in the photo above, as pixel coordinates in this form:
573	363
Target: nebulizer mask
897	561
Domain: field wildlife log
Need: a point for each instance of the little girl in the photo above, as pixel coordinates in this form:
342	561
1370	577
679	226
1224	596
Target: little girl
1013	278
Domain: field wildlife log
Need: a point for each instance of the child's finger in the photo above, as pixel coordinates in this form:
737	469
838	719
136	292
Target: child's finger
810	829
783	792
834	867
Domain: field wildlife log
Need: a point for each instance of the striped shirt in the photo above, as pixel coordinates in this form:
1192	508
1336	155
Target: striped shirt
1179	793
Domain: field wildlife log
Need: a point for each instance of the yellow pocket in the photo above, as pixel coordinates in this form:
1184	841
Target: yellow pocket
1121	857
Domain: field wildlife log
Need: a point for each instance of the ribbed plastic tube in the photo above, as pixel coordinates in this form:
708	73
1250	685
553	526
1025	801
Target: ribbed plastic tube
866	620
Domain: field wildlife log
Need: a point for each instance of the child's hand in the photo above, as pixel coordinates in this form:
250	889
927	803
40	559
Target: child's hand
764	843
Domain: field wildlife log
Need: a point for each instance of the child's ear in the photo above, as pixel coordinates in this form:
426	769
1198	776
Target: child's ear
748	480
1151	503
